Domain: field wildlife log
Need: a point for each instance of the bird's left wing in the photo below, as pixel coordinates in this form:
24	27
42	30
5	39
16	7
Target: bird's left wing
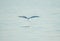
23	17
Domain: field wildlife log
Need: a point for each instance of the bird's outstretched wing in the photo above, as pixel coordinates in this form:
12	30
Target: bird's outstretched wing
23	17
34	16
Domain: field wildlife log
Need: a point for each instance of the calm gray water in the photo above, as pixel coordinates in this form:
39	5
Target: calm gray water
44	28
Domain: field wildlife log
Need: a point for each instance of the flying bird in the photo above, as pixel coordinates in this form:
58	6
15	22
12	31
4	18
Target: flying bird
29	17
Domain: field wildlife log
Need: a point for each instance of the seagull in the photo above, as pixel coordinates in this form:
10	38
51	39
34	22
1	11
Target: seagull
29	17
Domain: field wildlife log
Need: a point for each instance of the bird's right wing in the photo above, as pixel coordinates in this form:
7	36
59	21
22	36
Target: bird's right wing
34	16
